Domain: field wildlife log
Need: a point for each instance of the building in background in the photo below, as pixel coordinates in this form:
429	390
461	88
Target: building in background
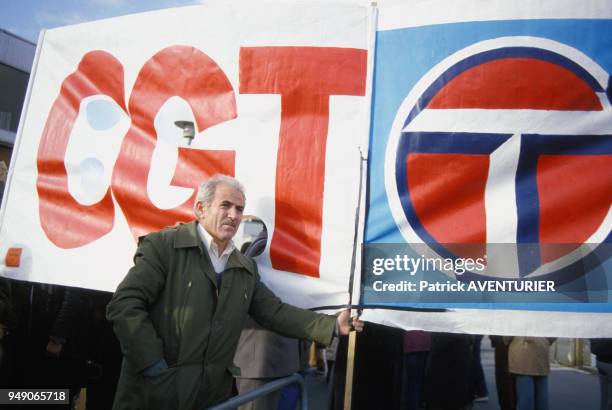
16	58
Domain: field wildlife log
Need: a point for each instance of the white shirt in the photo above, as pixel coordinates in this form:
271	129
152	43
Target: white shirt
218	261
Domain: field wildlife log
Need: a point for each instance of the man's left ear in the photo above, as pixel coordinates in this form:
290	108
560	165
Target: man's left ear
200	208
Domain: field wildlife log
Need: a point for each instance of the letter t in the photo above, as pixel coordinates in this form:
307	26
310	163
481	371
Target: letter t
305	77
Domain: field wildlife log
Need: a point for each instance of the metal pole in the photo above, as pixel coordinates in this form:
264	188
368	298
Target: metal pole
303	395
267	388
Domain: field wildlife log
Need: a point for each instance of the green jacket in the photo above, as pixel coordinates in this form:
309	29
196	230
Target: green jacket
168	306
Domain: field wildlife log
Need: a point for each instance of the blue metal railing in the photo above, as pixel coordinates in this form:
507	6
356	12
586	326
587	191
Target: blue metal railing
267	388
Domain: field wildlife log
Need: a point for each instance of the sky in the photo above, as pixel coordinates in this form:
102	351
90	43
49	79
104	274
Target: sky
26	18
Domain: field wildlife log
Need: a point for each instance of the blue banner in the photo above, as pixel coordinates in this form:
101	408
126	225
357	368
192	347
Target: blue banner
491	141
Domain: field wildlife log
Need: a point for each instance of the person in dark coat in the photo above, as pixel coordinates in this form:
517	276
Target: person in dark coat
449	378
7	321
482	393
179	311
377	369
82	335
602	349
416	346
28	364
504	382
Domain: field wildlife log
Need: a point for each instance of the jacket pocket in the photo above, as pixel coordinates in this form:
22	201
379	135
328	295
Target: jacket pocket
159	392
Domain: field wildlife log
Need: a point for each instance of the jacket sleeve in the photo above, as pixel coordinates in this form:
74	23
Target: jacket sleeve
270	312
128	310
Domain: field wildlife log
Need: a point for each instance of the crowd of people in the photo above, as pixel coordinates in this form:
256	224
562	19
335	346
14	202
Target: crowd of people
444	371
57	337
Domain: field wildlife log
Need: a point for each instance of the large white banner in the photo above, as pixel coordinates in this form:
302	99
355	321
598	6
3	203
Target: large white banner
278	96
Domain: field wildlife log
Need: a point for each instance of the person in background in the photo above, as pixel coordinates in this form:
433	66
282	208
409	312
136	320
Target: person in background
506	395
262	355
416	346
82	336
330	359
449	378
602	349
528	361
58	338
7	321
482	393
7	317
28	363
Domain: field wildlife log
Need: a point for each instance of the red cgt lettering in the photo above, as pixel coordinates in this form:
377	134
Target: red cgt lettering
305	77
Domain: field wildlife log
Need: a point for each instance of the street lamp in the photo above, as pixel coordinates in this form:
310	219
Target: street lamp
188	129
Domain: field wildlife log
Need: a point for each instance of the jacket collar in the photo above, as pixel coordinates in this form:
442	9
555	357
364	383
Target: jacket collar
187	237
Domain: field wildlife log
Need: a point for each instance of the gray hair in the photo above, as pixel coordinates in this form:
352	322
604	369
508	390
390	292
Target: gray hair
206	192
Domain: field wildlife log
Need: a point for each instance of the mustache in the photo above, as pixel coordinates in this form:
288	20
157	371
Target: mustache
230	222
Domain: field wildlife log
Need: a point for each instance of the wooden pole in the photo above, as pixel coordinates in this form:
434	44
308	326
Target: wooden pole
312	356
81	402
579	353
350	365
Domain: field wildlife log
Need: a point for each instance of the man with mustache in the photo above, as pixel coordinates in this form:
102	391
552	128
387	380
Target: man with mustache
179	311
